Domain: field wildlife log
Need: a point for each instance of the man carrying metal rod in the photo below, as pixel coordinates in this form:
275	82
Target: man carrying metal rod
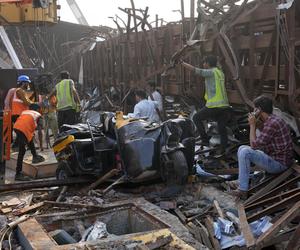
217	106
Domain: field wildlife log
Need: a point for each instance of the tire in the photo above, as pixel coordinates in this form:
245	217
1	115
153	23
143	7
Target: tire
63	171
180	168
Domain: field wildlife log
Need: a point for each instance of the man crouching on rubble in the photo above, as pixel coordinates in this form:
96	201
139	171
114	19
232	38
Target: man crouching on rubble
271	150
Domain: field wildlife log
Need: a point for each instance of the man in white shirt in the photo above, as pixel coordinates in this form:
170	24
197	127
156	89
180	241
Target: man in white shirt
144	107
156	95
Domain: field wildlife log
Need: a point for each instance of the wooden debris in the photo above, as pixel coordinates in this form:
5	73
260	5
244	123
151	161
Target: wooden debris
209	224
160	242
218	209
194	230
63	190
6	210
180	215
245	228
102	179
294	241
42	184
29	209
11	202
270	186
279	224
110	187
167	205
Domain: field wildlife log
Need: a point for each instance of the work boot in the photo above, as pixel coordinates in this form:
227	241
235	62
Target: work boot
37	159
21	177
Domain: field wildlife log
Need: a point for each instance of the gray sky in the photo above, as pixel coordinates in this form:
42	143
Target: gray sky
98	11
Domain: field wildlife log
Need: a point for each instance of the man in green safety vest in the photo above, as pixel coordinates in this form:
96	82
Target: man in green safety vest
67	100
217	105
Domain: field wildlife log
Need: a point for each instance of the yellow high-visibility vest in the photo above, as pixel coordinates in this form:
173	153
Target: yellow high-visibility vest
64	95
216	95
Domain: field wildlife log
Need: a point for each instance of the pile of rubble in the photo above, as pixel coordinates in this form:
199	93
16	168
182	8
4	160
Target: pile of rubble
197	216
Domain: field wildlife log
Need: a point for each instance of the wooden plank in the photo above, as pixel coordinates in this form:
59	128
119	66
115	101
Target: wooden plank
275	207
102	179
41	170
204	235
6	210
218	209
294	242
229	171
279	189
194	230
210	228
180	215
245	228
272	199
279	224
296	168
28	209
270	186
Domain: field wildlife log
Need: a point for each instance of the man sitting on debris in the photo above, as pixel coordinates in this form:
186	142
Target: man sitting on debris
24	128
271	150
217	106
144	107
67	100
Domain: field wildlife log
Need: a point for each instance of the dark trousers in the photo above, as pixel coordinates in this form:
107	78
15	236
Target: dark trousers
22	141
220	115
13	120
66	117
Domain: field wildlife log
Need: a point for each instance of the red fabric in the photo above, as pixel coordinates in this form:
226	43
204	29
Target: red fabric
276	141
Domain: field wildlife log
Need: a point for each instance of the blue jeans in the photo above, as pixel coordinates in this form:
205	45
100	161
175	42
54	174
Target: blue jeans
246	156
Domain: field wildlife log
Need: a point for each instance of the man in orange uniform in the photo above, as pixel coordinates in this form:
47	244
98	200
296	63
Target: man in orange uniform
24	128
20	102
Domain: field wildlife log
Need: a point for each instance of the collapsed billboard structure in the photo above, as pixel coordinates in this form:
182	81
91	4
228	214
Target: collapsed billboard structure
258	44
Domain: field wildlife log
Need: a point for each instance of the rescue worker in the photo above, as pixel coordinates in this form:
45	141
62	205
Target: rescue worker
20	101
24	128
155	94
144	107
9	98
217	105
67	100
49	113
8	104
36	98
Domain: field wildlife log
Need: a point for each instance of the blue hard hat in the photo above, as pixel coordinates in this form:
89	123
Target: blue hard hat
23	78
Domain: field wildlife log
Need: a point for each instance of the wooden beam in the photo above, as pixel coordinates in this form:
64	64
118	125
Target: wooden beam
218	209
270	186
275	207
26	210
245	228
278	189
273	199
279	224
294	241
210	227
